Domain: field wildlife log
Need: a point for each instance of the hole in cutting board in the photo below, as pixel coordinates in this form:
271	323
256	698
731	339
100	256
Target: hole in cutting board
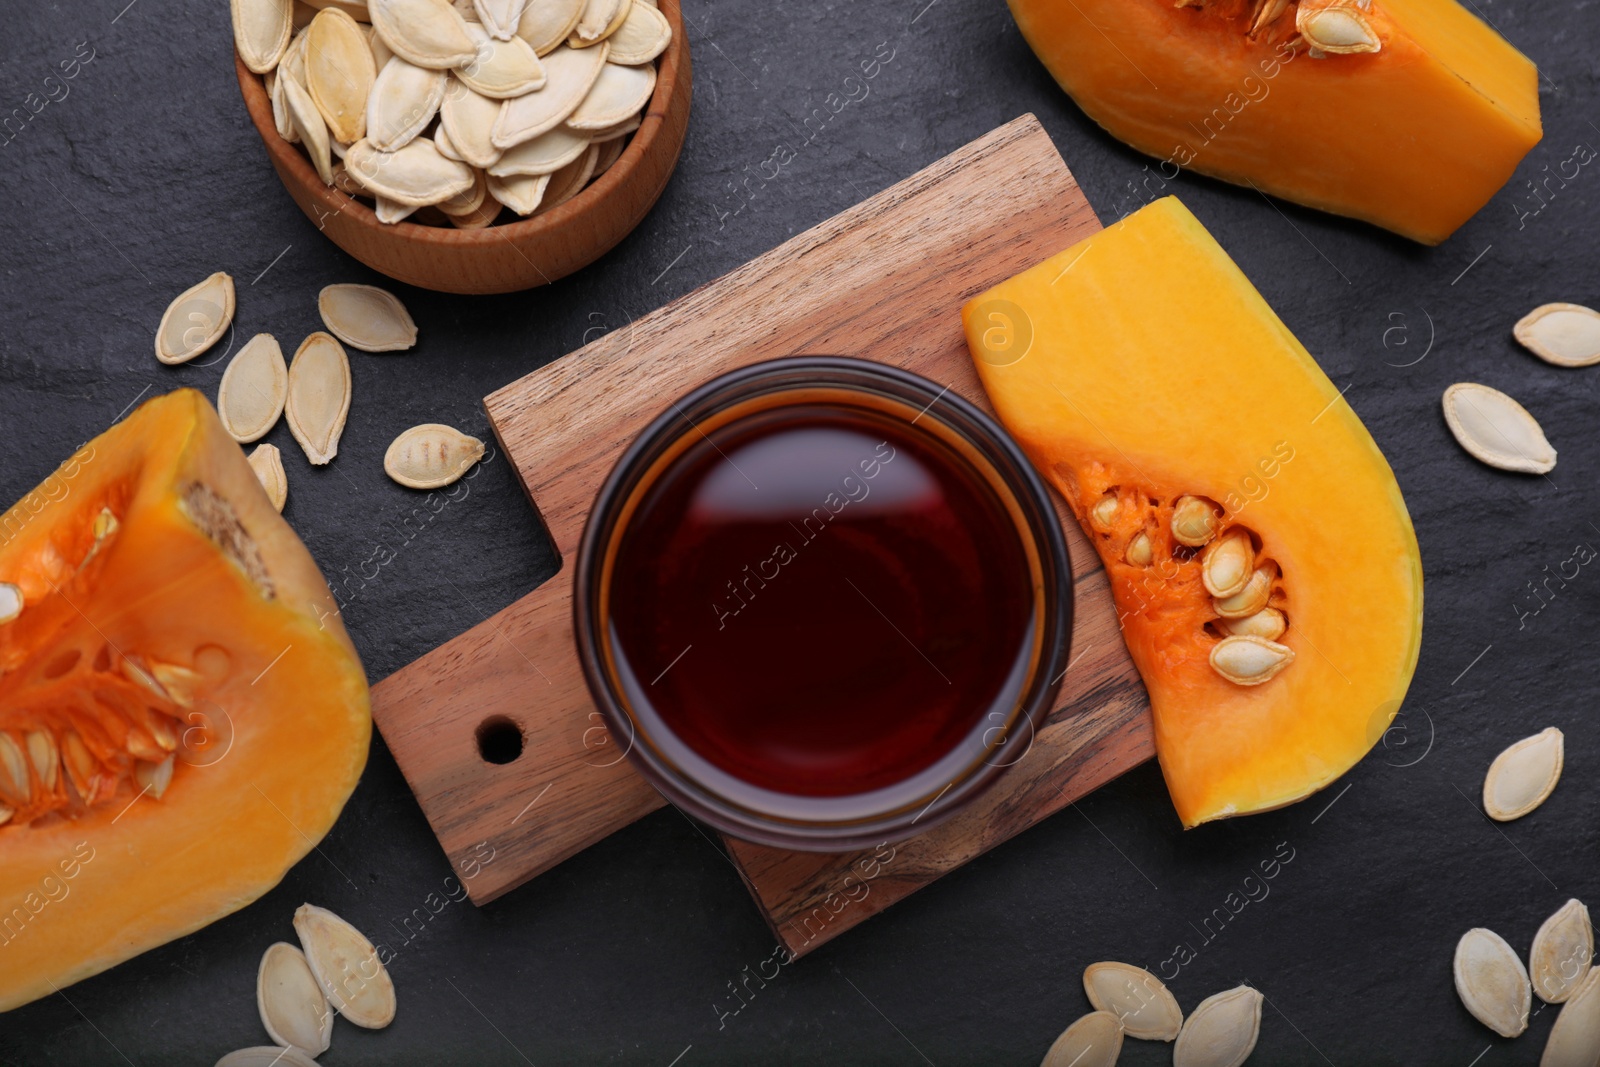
499	740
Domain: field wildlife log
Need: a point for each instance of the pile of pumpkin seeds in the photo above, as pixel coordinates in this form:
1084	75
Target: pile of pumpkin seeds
1493	427
313	391
334	969
1498	989
1129	1001
445	113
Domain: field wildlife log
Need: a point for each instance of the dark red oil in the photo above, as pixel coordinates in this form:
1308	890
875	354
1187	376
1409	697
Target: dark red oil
822	601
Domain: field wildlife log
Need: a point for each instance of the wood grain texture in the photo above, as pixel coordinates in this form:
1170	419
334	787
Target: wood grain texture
883	280
512	256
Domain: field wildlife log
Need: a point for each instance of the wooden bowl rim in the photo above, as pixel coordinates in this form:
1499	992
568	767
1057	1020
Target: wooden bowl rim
593	196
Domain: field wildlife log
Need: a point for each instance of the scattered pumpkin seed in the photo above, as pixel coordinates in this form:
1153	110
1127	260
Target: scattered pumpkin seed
415	175
267	462
1227	564
1146	1009
366	317
339	73
1562	953
468	117
261	31
1268	623
347	967
1249	600
10	601
502	69
617	93
1567	335
1496	429
429	33
1095	1040
1574	1040
545	24
569	74
643	36
1221	1031
1524	775
1195	521
405	98
292	1005
196	320
253	389
431	456
1492	982
1249	660
319	396
267	1056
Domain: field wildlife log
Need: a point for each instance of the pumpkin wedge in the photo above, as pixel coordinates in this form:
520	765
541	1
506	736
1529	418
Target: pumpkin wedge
1261	556
182	715
1410	115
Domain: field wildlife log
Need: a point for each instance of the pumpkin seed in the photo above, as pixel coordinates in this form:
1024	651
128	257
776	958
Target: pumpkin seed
10	601
1567	335
617	93
381	53
500	17
429	33
390	212
469	202
267	462
1524	775
313	131
339	73
431	456
484	215
521	193
405	98
267	1056
5	814
1496	429
154	777
347	967
502	69
1095	1040
1574	1040
1104	512
1249	660
569	74
415	175
1195	521
281	119
1221	1031
253	389
441	141
469	118
1492	982
261	31
1337	30
292	1005
1268	623
1135	997
346	182
1562	952
643	36
1227	564
1139	552
319	396
356	9
44	755
1249	600
195	320
611	133
15	783
610	152
1267	12
366	317
569	181
545	24
545	154
597	18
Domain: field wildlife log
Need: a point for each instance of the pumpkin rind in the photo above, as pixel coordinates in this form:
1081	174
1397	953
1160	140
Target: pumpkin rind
277	727
1414	137
1209	394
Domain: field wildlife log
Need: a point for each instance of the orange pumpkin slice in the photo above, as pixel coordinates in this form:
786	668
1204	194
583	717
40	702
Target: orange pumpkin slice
182	715
1261	556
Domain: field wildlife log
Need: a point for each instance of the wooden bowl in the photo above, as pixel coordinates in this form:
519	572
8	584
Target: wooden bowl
510	256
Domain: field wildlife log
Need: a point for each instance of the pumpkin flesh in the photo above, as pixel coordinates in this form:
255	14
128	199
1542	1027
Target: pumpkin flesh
179	653
1207	393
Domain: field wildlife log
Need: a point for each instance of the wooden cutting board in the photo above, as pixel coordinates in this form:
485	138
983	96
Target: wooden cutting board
884	280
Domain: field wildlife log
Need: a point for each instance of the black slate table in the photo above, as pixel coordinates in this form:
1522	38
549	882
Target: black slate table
142	176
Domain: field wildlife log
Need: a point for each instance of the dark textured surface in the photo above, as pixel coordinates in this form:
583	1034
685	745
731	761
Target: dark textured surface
146	177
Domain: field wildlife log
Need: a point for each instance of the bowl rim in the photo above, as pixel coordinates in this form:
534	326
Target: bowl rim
1041	523
668	74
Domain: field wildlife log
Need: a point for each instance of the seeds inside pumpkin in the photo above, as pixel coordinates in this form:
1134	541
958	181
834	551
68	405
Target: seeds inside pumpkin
1249	600
1337	30
1268	623
1195	521
1523	776
1492	982
10	601
1248	660
1227	564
